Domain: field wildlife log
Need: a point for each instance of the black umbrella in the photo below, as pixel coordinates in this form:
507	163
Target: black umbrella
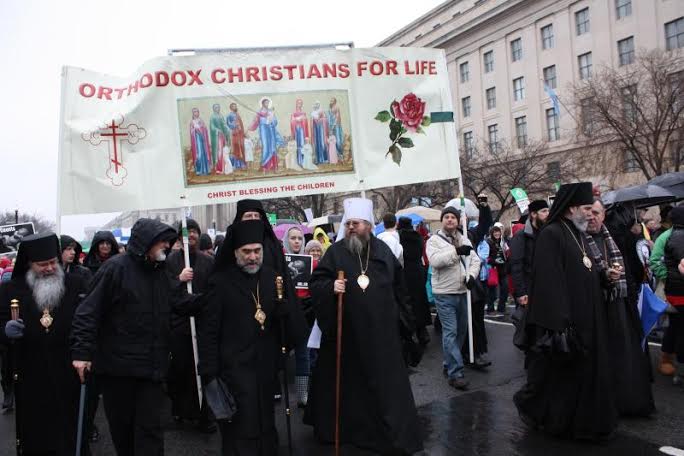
673	182
640	195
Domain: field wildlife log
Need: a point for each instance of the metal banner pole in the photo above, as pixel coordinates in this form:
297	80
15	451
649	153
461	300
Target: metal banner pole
193	330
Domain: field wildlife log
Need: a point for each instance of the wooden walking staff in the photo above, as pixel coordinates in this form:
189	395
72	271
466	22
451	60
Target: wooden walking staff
14	310
284	351
338	364
193	330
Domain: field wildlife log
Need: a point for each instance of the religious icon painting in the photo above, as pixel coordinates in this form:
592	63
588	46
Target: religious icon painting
260	136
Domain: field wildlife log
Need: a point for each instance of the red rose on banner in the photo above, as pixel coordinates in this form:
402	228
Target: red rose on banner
409	111
407	115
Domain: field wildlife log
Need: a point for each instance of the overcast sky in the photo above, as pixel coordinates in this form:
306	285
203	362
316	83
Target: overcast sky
38	37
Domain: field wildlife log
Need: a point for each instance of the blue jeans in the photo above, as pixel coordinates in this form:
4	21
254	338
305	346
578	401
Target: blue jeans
452	310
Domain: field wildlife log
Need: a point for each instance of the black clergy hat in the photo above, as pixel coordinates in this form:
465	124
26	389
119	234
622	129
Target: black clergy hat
537	205
569	195
248	232
34	248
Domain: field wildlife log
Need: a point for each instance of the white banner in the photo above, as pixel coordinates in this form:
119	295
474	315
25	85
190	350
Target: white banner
217	128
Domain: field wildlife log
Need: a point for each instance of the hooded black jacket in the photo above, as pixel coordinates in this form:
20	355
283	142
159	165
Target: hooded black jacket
92	260
124	321
75	268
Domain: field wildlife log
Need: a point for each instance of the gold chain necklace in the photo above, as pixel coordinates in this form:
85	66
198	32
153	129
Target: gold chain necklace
260	315
363	279
585	258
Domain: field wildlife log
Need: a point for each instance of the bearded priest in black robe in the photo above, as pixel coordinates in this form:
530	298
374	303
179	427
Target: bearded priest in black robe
47	389
570	379
241	331
378	411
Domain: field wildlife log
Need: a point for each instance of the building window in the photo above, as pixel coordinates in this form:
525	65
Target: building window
629	103
491	97
521	131
519	89
465	72
626	51
465	103
493	135
468	145
516	49
489	61
629	162
547	37
552	125
584	63
624	8
553	170
582	21
550	77
674	34
587	116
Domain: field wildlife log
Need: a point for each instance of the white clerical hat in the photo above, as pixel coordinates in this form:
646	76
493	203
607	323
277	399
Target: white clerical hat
359	209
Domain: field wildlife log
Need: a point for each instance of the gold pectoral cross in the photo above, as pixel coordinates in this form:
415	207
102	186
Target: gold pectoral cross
46	320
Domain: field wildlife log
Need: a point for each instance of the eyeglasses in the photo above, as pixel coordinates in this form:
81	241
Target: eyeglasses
350	223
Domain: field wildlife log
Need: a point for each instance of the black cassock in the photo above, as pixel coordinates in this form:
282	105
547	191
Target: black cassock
415	275
568	393
48	390
232	345
378	411
181	380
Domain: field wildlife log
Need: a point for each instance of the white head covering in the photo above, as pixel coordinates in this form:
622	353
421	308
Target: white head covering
356	208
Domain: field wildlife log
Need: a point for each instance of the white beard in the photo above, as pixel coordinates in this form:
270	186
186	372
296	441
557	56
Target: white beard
580	222
47	290
160	256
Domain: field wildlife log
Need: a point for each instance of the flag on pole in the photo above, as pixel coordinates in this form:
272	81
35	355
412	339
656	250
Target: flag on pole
554	98
650	308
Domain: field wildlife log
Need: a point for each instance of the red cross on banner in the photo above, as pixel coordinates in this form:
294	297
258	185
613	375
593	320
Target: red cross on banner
115	134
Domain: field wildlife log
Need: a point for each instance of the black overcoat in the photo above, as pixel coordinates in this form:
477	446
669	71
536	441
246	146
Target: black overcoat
48	390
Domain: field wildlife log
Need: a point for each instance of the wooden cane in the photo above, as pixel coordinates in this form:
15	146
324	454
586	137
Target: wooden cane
338	371
14	310
284	352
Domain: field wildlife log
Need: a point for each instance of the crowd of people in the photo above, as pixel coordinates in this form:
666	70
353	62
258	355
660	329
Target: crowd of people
123	321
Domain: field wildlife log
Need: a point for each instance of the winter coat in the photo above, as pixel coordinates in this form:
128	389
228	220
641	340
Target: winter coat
124	321
674	252
75	268
522	254
92	260
448	273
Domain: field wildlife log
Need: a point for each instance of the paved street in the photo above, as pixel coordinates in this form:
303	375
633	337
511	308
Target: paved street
482	421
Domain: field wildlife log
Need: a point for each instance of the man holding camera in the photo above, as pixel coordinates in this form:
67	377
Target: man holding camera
455	268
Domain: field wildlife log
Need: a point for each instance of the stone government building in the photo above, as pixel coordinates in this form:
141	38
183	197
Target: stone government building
500	52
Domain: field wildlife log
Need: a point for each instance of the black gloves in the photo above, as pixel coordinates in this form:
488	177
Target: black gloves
470	283
464	250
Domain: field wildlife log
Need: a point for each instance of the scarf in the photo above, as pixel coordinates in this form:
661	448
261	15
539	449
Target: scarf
614	256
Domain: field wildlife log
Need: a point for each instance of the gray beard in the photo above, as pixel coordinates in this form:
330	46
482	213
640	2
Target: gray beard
248	268
47	290
355	244
580	222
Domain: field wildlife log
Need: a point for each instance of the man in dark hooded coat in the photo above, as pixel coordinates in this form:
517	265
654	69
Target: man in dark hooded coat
102	248
182	382
241	349
569	390
47	387
123	325
378	411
